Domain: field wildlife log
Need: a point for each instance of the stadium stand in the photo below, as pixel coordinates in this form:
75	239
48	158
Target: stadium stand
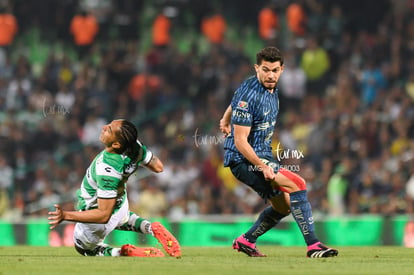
356	132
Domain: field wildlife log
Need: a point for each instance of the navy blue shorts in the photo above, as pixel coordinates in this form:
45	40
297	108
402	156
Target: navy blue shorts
245	173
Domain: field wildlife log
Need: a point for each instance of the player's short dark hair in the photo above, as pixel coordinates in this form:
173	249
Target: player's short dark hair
269	54
127	137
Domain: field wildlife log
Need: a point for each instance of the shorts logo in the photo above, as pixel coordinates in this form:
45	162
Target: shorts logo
242	105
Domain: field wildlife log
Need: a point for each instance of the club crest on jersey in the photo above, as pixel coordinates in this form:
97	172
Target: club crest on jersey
242	105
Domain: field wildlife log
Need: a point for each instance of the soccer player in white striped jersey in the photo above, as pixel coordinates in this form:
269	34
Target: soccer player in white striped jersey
102	198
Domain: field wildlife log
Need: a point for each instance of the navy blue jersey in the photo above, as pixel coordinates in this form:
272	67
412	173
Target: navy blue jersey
252	105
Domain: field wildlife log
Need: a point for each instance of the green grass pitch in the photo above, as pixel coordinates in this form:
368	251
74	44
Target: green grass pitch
209	260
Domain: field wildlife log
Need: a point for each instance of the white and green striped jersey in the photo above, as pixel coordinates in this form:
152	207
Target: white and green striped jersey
107	175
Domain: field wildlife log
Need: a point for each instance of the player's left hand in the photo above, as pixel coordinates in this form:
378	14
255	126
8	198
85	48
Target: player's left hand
55	217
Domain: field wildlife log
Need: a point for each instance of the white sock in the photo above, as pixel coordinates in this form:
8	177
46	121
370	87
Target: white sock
145	227
116	252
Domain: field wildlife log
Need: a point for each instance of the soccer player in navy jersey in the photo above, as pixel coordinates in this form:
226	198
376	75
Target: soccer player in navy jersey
249	123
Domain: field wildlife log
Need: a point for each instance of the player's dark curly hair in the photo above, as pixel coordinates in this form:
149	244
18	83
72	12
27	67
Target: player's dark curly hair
269	54
127	137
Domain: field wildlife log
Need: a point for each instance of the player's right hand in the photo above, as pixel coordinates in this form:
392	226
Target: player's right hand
55	217
268	173
225	127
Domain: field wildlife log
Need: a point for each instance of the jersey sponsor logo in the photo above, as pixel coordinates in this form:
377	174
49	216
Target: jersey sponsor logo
263	126
243	105
107	182
240	114
108	169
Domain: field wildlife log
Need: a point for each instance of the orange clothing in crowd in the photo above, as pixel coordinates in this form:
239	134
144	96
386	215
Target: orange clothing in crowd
161	30
296	17
8	28
141	84
214	28
84	29
268	23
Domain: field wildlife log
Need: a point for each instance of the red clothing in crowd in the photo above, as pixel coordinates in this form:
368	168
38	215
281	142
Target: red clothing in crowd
84	29
8	28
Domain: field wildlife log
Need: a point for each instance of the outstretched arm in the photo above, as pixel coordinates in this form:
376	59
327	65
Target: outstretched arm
150	161
155	165
100	215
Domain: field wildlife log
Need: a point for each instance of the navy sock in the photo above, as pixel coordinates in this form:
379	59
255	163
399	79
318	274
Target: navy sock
266	220
302	212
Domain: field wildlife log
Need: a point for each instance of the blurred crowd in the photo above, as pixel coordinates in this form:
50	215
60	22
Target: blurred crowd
346	121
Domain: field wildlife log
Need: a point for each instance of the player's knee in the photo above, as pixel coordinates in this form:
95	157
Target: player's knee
80	250
281	204
295	178
281	211
93	251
